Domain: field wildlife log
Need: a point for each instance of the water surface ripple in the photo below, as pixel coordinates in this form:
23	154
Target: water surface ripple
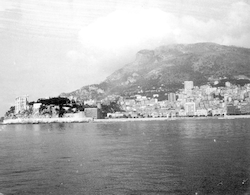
154	157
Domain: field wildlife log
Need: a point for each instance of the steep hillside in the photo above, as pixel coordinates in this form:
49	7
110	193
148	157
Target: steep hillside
167	67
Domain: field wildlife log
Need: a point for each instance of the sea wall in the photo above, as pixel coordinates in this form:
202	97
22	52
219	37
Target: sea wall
234	116
46	120
81	119
131	119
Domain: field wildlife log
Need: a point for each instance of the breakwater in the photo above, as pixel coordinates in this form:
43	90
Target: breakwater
46	120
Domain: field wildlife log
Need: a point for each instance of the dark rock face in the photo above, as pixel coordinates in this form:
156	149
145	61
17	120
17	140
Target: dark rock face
167	67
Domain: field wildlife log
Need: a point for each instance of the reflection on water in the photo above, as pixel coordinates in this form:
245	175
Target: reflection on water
159	157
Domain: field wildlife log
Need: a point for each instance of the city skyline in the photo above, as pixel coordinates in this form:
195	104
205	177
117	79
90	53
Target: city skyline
51	47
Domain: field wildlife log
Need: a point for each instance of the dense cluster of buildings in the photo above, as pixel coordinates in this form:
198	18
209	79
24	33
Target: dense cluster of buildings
190	101
205	100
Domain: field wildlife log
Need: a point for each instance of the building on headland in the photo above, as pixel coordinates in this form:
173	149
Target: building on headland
21	104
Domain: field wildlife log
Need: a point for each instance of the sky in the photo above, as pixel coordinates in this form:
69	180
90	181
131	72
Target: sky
53	46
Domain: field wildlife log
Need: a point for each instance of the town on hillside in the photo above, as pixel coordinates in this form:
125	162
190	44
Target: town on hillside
191	101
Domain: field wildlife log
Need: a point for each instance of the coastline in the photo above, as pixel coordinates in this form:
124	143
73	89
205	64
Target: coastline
234	116
45	120
110	120
91	120
149	119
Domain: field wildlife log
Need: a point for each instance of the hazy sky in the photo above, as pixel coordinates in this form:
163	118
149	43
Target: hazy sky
53	46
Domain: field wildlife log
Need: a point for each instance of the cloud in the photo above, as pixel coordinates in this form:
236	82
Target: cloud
73	55
237	25
123	29
5	5
112	41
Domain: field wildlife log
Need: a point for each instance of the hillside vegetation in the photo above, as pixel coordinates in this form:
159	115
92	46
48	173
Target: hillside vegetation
167	67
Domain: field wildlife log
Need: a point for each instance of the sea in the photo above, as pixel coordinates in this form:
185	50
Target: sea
189	156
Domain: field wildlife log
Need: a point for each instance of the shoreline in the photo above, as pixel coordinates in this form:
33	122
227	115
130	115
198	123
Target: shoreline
234	116
45	120
110	120
149	119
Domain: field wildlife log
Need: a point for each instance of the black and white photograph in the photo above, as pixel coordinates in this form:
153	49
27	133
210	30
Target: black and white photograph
122	97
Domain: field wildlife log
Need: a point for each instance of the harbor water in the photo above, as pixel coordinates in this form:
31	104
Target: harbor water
206	156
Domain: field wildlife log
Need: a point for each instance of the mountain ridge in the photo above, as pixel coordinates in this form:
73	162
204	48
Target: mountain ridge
168	66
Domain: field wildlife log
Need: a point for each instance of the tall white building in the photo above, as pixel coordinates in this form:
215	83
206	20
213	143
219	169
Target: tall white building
21	104
172	97
190	108
188	86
